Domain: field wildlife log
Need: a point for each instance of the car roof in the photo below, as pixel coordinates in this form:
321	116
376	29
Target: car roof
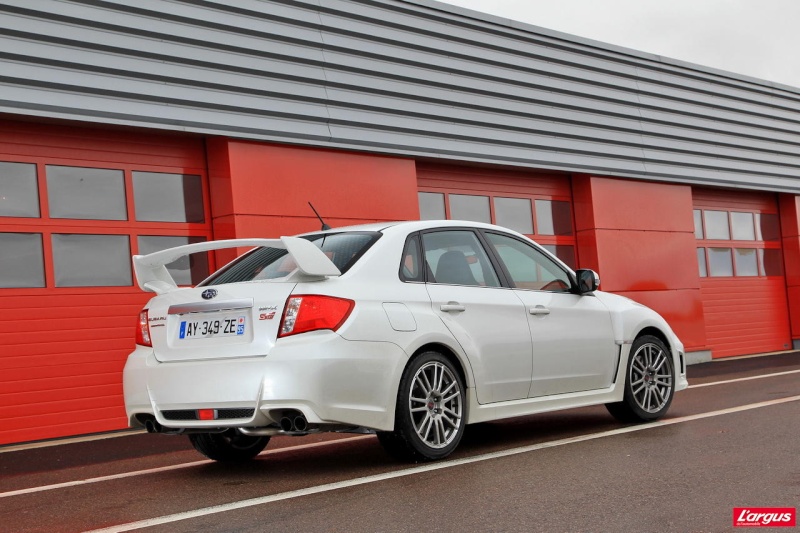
410	226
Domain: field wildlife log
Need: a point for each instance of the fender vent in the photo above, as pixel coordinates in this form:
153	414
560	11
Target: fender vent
222	414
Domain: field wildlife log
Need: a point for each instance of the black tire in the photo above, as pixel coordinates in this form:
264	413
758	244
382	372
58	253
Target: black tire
228	447
649	382
429	417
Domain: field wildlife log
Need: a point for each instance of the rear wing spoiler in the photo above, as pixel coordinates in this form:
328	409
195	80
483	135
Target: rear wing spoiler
153	276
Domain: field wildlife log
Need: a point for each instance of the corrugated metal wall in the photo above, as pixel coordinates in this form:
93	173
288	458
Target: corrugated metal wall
403	77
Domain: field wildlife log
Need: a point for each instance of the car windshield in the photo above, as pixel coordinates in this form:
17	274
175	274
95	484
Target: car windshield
344	249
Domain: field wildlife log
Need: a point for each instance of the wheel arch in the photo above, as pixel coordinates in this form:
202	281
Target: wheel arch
447	352
655	332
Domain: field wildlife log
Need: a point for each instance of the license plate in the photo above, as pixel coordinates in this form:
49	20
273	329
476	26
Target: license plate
211	327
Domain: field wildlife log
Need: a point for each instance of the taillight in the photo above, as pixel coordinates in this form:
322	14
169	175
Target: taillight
310	312
143	330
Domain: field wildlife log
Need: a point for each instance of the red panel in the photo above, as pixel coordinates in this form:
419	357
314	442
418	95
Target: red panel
790	215
793	295
587	245
732	200
583	203
281	180
639	205
645	260
75	145
219	179
746	315
790	230
682	309
477	180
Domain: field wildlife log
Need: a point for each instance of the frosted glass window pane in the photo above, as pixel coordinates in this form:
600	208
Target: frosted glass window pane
86	193
698	224
514	213
468	207
746	261
162	197
717	225
21	260
701	262
431	206
19	192
91	260
768	227
189	269
553	218
742	225
720	263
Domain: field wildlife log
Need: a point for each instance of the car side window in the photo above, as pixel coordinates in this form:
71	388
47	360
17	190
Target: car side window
410	264
528	267
456	257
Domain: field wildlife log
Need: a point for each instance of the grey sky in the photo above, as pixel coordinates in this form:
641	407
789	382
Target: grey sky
757	38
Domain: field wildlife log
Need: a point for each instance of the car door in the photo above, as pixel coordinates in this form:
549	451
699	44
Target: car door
572	337
487	320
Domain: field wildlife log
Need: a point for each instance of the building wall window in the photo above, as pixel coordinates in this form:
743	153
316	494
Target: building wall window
86	193
19	191
161	197
77	226
21	260
470	207
738	243
514	213
91	260
547	220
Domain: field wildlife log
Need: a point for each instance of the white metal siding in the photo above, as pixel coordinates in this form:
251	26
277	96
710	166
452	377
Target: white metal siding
411	77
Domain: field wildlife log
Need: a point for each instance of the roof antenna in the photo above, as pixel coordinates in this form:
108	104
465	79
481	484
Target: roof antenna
324	225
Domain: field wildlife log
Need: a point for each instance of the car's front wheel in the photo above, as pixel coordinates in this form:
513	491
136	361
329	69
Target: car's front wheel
649	382
230	446
431	411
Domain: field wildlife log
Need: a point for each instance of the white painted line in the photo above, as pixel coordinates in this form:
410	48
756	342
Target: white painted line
164	469
168	519
737	380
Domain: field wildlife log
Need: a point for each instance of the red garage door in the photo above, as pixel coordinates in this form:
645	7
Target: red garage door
741	272
537	205
74	205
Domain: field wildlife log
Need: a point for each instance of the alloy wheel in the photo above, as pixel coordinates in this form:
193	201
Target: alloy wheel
650	378
436	404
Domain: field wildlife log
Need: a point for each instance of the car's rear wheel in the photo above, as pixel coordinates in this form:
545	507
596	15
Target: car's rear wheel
230	446
431	411
649	382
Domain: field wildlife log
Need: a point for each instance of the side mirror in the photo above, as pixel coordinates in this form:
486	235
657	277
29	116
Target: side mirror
588	281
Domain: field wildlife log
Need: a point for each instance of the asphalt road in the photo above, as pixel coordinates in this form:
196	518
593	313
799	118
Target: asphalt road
731	440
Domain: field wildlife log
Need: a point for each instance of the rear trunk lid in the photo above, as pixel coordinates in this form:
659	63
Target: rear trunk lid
220	322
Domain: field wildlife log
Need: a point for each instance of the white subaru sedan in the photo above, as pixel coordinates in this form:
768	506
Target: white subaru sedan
410	330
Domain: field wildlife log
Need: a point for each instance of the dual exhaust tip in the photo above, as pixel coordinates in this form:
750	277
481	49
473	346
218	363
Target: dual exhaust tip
295	423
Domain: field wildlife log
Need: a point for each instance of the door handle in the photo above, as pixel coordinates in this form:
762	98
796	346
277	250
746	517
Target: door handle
539	310
452	306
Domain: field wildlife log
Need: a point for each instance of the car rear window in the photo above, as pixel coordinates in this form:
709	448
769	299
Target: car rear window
344	249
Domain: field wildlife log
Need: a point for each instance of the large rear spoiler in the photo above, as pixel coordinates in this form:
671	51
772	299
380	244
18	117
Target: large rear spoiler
153	276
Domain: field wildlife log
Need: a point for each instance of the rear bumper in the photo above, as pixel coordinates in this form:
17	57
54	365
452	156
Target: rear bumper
327	378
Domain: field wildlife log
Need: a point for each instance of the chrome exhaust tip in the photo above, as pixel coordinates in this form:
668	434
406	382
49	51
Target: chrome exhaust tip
287	424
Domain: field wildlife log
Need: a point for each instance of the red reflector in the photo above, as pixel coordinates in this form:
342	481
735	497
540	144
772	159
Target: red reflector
206	414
